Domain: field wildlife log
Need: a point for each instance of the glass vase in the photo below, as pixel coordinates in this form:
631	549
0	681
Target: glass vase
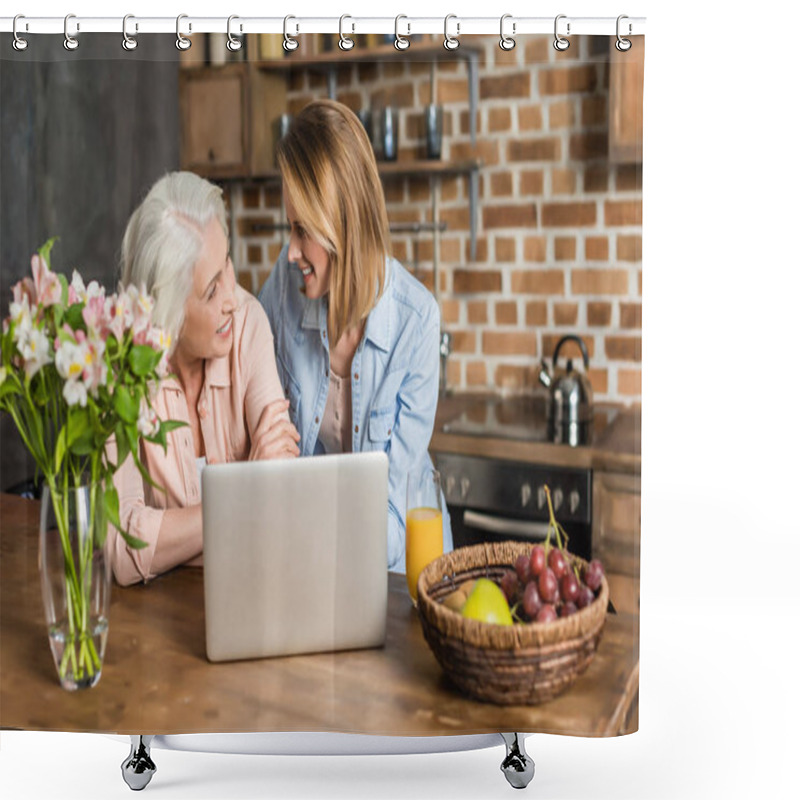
76	581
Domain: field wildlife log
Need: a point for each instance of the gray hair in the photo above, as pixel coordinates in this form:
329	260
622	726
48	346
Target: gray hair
163	240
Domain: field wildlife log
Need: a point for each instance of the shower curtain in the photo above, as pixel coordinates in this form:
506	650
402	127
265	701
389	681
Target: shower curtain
520	209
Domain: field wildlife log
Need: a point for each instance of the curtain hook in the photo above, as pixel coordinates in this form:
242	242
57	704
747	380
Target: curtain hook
507	42
19	44
451	42
234	42
345	42
623	45
560	43
400	42
70	42
128	42
182	43
289	44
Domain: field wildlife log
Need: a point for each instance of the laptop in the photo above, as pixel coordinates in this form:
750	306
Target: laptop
295	555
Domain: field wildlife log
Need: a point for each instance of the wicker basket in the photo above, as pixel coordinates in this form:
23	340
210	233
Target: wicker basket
504	664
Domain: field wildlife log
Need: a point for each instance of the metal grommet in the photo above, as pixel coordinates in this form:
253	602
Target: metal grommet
451	42
289	44
128	42
234	42
559	42
400	42
623	45
345	42
182	43
19	44
507	42
70	42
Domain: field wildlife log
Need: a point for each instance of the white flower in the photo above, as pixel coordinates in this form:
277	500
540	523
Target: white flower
75	392
70	360
35	351
20	315
119	312
147	424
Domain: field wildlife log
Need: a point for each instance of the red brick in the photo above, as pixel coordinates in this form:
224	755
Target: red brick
502	184
514	378
568	214
630	315
563	181
255	226
629	248
538	49
623	212
454	372
624	348
629	178
538	281
534	149
477	312
599	380
505	250
567	80
487	150
521	343
251	197
536	313
509	216
471	281
476	373
566	248
561	114
245	278
535	248
531	182
530	118
586	146
597	248
451	90
600	281
595	179
598	315
255	254
629	382
499	119
505	86
505	312
593	110
451	312
462	341
565	313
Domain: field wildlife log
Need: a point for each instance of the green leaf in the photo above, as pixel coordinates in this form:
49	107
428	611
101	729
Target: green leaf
44	250
74	317
143	359
111	504
125	405
169	425
61	448
80	433
123	448
133	441
132	541
64	290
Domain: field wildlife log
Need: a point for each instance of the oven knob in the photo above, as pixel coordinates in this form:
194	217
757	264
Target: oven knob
450	485
525	494
541	497
464	487
558	498
574	500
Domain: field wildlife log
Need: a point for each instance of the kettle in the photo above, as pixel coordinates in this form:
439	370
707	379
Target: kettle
569	411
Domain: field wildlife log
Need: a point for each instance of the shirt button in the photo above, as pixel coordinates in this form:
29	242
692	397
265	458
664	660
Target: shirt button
203	411
316	420
356	428
324	334
389	432
356	376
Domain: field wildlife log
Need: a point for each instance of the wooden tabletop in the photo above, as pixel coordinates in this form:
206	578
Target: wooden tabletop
156	678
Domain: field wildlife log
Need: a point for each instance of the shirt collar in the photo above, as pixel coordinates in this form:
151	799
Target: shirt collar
378	329
217	373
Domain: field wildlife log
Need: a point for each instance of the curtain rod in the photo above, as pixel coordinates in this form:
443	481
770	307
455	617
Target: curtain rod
452	25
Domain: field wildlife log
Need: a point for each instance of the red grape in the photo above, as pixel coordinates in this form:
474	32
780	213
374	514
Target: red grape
546	614
509	584
531	601
557	563
593	575
585	596
537	560
569	588
523	567
548	586
567	609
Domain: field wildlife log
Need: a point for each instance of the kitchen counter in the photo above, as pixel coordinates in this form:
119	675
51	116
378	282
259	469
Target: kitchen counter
156	678
616	446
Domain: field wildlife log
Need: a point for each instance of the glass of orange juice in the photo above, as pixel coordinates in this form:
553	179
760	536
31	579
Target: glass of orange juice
423	523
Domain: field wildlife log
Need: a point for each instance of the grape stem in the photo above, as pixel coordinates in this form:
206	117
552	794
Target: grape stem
555	526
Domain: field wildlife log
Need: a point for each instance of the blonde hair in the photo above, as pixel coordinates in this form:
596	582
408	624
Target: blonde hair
163	241
330	174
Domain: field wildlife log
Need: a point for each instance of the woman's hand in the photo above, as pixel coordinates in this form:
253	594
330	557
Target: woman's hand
275	436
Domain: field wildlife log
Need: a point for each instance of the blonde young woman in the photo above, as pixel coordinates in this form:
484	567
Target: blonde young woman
222	385
357	337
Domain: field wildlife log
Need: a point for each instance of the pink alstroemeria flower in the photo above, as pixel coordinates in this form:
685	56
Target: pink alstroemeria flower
48	287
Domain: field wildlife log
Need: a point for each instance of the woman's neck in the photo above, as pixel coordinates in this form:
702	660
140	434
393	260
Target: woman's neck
189	371
344	350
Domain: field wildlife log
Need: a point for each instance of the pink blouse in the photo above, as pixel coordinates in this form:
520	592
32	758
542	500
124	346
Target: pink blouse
235	391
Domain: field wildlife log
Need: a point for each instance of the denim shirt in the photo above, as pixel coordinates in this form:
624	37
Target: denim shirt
394	377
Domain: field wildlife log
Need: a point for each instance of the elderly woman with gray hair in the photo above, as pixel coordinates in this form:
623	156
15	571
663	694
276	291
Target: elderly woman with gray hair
224	382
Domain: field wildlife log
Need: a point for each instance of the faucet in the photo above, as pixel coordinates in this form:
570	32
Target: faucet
444	352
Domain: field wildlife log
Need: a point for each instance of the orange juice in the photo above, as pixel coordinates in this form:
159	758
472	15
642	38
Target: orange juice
423	543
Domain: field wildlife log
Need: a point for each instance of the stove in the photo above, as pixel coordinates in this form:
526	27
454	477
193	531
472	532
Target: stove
493	499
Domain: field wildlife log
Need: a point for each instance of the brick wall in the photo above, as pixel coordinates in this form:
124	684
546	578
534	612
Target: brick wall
559	242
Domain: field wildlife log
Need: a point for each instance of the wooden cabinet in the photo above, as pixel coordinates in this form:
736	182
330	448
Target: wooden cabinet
616	525
625	93
229	120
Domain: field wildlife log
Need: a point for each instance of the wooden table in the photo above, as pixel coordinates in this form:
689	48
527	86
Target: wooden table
156	678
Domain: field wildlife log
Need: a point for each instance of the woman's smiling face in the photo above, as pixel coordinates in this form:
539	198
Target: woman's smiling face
310	257
208	320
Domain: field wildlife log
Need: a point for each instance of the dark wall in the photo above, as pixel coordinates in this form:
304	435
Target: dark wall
83	135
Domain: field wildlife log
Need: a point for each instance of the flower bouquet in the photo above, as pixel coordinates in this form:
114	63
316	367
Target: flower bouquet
78	369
